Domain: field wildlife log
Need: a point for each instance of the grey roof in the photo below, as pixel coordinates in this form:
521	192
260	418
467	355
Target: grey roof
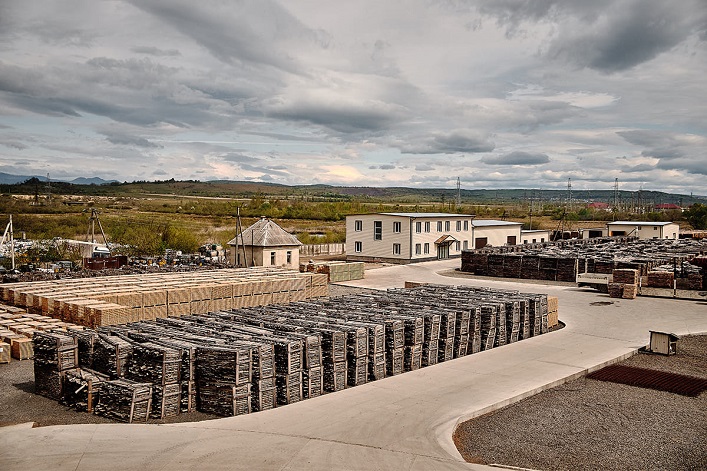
415	215
638	223
494	222
265	233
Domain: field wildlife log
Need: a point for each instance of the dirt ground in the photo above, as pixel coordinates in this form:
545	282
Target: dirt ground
589	425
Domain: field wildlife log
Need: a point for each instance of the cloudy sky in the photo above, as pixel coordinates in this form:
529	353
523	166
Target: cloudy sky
500	93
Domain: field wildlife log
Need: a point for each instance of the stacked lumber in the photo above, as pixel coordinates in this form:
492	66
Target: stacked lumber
661	279
132	298
55	354
82	388
462	331
125	400
625	276
5	356
616	290
552	311
336	271
627	281
111	355
224	380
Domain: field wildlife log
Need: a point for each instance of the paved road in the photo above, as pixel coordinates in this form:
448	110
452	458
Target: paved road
403	422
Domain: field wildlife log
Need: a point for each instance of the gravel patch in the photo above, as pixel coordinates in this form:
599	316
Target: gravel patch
589	425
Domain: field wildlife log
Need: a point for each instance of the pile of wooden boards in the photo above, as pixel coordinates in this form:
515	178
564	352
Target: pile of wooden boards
121	299
54	355
552	311
624	284
336	271
562	261
239	361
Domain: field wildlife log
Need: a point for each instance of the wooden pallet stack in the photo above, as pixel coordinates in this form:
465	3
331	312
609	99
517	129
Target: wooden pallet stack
628	279
512	265
488	325
553	307
111	355
462	332
125	401
54	355
661	279
224	380
81	389
161	366
495	265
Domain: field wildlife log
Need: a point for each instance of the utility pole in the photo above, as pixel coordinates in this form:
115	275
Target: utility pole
459	192
569	192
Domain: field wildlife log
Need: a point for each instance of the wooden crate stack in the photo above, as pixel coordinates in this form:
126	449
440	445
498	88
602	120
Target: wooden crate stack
224	380
552	311
81	389
55	354
661	279
125	400
627	278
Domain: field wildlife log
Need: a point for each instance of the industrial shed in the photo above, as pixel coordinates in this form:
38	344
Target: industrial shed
496	233
265	243
644	229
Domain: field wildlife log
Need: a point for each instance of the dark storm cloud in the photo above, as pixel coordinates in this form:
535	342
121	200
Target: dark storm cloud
128	140
606	36
517	158
238	32
455	142
154	51
673	151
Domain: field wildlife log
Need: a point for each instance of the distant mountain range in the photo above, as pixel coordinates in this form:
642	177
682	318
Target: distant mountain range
9	179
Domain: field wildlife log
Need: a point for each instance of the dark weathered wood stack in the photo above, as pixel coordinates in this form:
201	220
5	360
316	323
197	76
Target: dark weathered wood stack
82	388
547	268
625	276
512	265
125	400
616	290
495	265
661	279
54	355
111	355
239	361
567	269
223	380
530	267
628	279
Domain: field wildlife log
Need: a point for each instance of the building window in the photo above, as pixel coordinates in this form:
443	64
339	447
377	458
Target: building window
377	230
466	225
439	226
447	225
427	248
458	246
459	226
358	247
639	228
396	249
655	228
418	227
397	227
272	258
466	245
418	249
358	226
289	257
427	226
542	239
534	240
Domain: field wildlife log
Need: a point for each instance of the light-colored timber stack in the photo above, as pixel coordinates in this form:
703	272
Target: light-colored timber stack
115	300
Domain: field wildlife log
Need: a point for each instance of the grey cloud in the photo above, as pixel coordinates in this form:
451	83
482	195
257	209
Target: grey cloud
608	36
160	172
637	168
127	140
266	170
341	117
14	145
455	142
240	158
517	158
424	168
154	51
386	167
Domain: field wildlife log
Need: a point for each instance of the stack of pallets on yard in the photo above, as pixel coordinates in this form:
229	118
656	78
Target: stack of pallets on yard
224	380
82	388
161	366
125	400
552	311
627	278
54	355
111	355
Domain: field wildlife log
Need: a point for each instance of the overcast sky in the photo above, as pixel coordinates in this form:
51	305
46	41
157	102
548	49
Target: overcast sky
500	93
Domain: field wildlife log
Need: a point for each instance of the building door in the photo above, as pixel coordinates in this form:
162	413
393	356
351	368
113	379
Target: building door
511	240
442	251
481	242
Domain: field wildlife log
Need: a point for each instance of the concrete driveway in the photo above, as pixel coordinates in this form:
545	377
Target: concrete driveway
403	422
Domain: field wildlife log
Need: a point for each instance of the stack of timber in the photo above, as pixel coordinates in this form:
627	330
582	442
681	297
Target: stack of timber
336	271
563	260
132	298
54	355
661	279
625	283
125	401
552	310
239	361
82	388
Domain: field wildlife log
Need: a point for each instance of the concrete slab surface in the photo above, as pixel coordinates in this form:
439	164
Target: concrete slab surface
403	422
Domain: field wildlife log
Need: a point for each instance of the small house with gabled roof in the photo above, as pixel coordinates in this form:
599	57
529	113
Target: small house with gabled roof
265	243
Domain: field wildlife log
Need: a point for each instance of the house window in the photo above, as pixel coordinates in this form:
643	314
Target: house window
459	226
396	249
358	226
418	227
289	257
418	249
427	226
377	230
427	248
466	225
655	228
272	258
358	247
639	228
542	239
447	225
458	246
439	226
466	245
534	240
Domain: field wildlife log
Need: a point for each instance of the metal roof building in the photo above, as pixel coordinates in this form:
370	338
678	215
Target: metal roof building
265	243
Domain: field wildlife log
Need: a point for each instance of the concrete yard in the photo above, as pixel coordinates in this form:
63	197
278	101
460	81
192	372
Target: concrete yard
402	422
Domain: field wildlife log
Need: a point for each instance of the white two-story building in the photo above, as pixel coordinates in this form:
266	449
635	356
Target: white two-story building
644	229
417	237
